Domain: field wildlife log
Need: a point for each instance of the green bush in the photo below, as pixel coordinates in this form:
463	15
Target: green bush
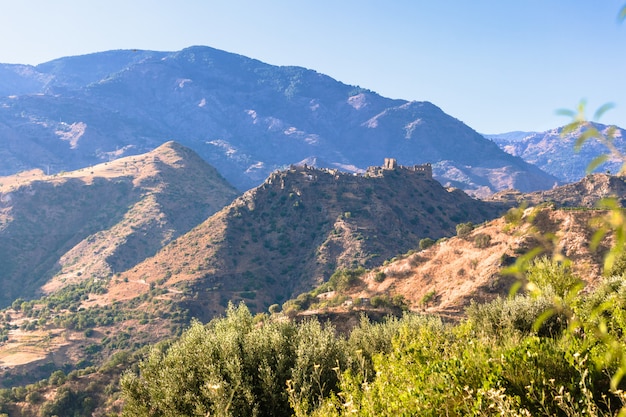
463	230
482	240
426	243
546	274
344	279
234	367
380	276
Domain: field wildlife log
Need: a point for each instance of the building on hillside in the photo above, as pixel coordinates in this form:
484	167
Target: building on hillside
391	164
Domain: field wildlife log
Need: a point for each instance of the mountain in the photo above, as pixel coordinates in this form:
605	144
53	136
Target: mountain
554	152
588	192
57	230
244	117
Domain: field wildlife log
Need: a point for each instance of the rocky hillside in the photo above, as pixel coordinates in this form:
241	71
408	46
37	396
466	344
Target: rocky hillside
244	117
60	229
586	193
111	289
554	152
445	278
294	230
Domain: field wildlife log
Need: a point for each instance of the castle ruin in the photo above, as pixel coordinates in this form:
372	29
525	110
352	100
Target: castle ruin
391	164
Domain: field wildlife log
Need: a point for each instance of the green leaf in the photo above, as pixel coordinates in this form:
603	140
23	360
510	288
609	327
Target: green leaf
570	128
610	133
596	162
514	289
542	318
603	109
591	132
566	112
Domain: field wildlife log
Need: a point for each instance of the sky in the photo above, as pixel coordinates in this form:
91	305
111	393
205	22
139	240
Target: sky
496	65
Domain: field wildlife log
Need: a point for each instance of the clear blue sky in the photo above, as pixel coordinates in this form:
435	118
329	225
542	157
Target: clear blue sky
497	65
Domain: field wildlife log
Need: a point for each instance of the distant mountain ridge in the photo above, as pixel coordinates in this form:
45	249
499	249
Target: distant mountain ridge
244	117
554	152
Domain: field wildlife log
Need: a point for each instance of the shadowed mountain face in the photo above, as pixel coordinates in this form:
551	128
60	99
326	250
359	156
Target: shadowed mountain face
101	220
244	117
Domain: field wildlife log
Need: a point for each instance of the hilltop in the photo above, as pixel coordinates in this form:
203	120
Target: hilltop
585	193
61	229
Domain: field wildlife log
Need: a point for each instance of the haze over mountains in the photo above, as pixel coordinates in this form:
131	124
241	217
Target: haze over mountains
244	117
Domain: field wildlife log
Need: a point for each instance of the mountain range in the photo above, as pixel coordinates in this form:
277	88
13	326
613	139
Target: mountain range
244	117
554	151
143	189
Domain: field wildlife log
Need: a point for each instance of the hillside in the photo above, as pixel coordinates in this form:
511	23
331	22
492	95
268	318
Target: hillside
60	229
294	230
553	152
108	328
586	193
445	278
274	242
244	117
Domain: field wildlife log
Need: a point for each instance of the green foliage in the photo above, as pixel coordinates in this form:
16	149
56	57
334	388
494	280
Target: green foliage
507	358
68	402
463	230
428	297
482	240
545	274
618	267
344	279
516	317
274	309
380	276
232	367
426	243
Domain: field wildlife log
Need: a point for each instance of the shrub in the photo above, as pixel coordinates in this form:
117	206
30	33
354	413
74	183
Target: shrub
34	397
428	297
343	279
426	243
618	268
546	274
274	308
482	240
463	230
521	314
380	276
233	367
